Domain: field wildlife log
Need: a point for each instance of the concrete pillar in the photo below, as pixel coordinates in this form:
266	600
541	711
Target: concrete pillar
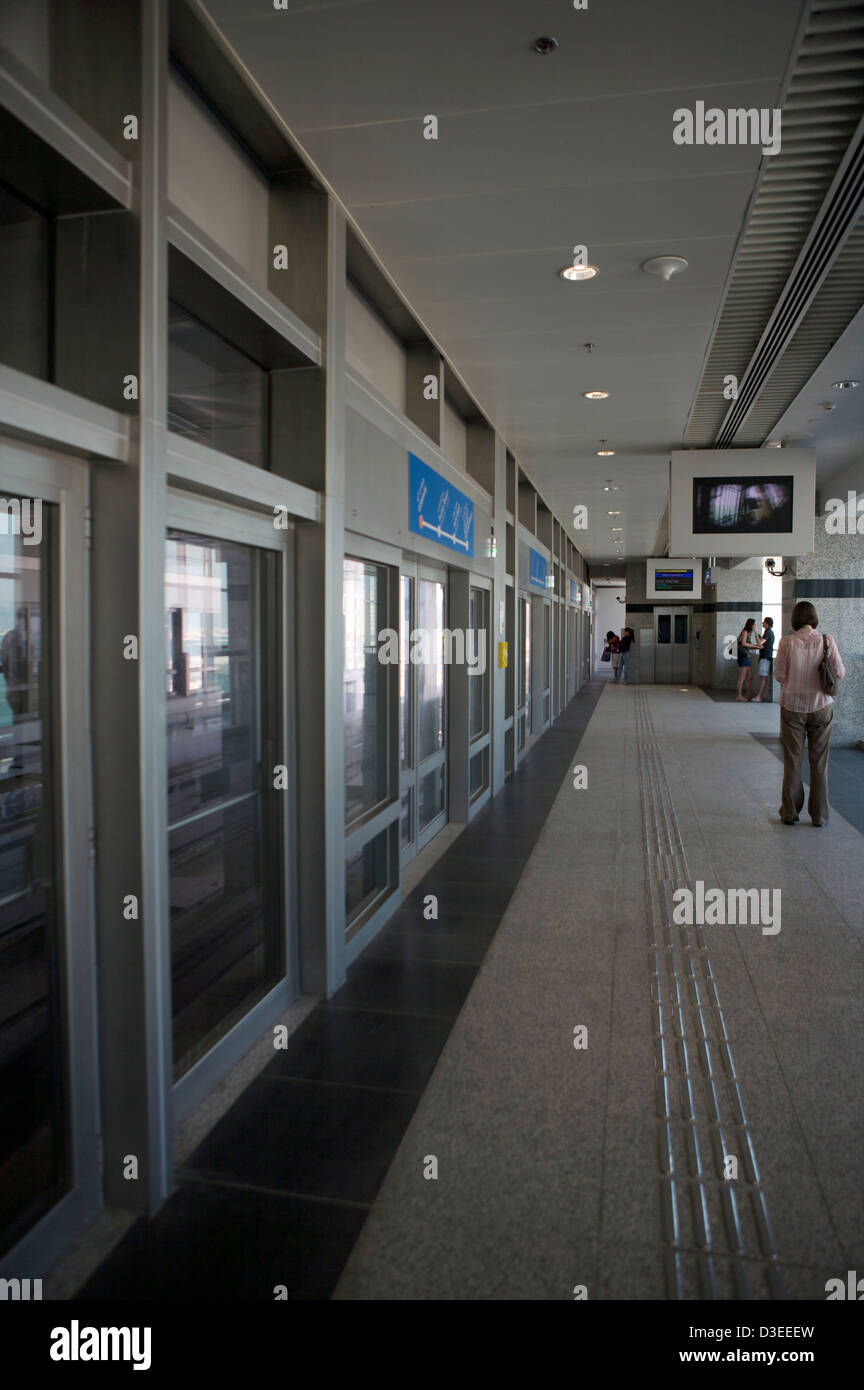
832	579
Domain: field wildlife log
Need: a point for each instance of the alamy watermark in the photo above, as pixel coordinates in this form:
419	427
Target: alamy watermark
719	907
732	127
25	516
457	646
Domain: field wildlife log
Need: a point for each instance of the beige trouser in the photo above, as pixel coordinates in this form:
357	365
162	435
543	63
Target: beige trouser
816	727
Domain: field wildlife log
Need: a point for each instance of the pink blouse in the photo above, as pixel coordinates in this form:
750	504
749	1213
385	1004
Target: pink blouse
796	665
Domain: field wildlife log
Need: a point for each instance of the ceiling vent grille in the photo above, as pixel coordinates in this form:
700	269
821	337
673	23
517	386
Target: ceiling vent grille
821	115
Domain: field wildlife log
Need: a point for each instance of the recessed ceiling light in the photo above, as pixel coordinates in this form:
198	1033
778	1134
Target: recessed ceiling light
545	45
774	444
614	513
616	528
610	486
605	453
843	385
578	272
595	395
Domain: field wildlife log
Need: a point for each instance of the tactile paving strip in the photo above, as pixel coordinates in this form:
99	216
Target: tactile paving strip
716	1232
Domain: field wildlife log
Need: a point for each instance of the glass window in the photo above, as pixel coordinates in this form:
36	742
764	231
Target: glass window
223	812
34	1168
364	687
216	394
431	795
478	685
431	673
366	876
478	770
25	248
407	831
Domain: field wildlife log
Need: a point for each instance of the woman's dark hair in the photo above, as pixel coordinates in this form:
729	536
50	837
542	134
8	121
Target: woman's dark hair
749	625
769	621
804	613
610	635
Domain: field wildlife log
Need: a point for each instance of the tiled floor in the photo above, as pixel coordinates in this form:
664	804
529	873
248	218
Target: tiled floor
605	1166
277	1193
845	768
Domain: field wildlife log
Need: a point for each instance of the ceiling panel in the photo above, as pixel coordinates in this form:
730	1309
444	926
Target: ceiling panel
534	156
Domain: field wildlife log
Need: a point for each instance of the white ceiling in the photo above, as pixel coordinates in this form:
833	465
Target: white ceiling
536	155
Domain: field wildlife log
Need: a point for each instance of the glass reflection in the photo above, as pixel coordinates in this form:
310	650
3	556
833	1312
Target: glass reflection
430	674
226	933
34	1166
364	687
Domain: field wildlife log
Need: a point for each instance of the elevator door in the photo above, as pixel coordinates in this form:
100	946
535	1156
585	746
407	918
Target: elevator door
671	646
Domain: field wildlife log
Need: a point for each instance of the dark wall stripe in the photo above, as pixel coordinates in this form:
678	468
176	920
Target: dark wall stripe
739	606
829	588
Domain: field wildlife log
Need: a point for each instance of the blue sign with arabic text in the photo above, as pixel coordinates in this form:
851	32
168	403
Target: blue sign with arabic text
536	568
437	510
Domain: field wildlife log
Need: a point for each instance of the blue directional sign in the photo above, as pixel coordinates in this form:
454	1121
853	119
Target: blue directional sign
438	511
536	568
575	593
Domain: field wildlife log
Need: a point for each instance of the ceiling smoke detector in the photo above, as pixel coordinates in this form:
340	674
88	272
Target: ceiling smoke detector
665	266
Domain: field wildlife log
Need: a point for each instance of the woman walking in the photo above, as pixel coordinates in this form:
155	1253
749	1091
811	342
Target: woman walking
806	711
747	642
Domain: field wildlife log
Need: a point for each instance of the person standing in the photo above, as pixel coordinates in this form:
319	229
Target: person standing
748	642
805	712
624	646
766	658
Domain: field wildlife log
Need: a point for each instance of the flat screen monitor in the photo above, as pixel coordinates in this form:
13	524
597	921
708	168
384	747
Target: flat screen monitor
743	506
673	579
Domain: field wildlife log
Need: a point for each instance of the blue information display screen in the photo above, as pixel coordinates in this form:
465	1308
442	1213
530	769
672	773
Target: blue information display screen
536	568
575	595
437	510
673	581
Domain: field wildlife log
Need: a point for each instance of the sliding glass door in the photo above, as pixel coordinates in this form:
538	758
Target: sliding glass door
229	785
48	1074
422	704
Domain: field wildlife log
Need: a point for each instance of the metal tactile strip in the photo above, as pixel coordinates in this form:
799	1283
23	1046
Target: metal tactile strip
716	1233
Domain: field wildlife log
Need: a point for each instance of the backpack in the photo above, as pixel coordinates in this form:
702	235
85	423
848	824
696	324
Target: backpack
828	677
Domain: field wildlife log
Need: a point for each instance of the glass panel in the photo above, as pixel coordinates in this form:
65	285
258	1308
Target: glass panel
526	660
430	674
226	936
680	628
365	876
547	645
33	1087
664	628
431	795
406	673
478	685
407	832
479	773
216	394
364	687
24	286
